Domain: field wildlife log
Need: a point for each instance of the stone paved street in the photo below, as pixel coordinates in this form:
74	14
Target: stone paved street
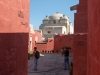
48	64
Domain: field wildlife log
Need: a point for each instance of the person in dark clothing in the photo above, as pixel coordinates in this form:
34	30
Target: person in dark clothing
35	58
66	59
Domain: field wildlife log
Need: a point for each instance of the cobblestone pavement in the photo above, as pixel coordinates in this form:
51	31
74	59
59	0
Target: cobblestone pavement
48	64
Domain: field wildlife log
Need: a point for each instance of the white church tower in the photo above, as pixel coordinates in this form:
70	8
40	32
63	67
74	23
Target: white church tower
56	24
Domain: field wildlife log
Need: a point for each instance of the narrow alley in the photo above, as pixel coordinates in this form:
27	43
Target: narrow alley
49	64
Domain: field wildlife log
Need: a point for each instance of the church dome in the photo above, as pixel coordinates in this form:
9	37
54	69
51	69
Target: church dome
57	16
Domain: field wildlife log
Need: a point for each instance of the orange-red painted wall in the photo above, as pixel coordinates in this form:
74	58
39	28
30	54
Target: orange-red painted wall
93	37
80	51
63	40
41	46
34	35
33	41
14	16
46	46
57	43
13	51
80	18
80	54
14	37
38	34
50	44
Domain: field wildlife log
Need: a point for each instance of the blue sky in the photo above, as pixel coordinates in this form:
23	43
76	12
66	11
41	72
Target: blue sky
40	8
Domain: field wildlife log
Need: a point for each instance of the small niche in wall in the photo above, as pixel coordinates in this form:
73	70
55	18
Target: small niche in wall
54	22
49	32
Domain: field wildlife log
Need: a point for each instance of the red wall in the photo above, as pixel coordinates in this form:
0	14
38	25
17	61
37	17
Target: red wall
38	34
63	40
33	41
80	26
50	44
94	37
80	54
14	36
14	16
34	35
56	44
41	46
80	20
13	53
46	46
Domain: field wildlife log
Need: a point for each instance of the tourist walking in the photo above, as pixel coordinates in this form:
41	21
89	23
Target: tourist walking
36	56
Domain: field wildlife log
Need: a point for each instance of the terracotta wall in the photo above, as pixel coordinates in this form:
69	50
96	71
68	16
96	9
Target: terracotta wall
14	36
80	54
33	41
80	26
34	35
46	46
63	40
14	16
57	43
41	46
94	37
80	18
50	44
13	51
38	34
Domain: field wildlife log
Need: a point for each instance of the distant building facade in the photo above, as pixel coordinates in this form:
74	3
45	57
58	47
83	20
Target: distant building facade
56	24
34	37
